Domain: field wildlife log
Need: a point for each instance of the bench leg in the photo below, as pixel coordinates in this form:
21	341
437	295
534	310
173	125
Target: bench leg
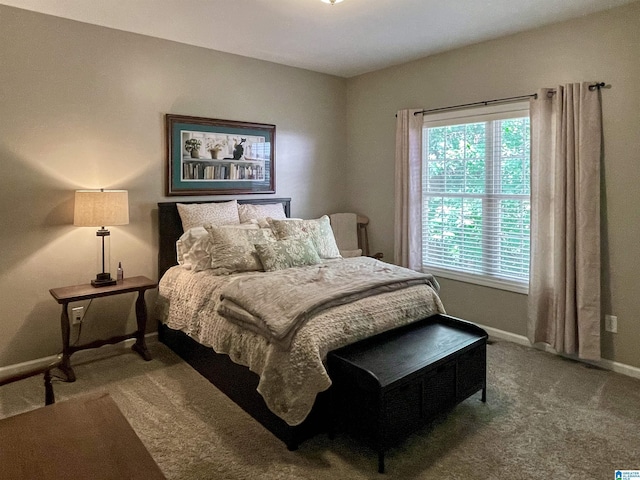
484	395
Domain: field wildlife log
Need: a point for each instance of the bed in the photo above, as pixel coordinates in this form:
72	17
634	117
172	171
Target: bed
291	423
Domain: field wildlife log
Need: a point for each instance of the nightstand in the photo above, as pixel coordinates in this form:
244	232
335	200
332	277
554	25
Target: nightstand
76	293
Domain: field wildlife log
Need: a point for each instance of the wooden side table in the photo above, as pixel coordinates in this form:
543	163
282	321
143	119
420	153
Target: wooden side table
76	293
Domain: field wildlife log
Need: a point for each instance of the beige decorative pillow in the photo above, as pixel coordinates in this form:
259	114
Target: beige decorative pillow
194	245
264	222
232	249
249	212
200	214
292	252
318	230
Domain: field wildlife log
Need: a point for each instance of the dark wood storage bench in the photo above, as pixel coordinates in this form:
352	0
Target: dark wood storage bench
387	386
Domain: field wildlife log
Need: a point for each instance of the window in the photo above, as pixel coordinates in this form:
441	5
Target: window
476	205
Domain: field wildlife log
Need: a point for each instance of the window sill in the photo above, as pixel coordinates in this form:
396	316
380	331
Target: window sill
522	288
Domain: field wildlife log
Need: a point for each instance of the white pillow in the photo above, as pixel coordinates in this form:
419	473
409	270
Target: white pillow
199	214
249	212
318	230
187	240
199	256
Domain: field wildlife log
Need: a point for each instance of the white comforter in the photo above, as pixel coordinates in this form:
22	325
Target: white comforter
290	378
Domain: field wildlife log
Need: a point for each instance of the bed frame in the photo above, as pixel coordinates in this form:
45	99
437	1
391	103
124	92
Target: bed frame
236	381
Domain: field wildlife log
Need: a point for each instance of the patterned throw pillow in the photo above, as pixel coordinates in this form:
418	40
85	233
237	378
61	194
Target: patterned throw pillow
232	249
249	212
318	231
199	214
292	252
194	246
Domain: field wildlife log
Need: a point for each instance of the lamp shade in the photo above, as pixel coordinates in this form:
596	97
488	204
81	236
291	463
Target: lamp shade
99	208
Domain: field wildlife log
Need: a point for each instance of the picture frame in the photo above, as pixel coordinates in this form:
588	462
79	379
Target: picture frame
208	156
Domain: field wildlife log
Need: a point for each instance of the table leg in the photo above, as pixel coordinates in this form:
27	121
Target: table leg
49	396
65	365
141	317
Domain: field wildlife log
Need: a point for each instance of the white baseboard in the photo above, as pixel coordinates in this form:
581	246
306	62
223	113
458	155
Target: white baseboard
503	335
106	350
78	357
602	363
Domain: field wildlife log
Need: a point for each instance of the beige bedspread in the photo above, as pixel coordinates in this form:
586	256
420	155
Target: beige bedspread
290	378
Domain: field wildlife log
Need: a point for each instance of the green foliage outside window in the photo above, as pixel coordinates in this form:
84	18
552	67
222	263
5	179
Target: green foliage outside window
476	188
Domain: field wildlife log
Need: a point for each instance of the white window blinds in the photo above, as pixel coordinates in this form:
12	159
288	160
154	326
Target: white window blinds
476	185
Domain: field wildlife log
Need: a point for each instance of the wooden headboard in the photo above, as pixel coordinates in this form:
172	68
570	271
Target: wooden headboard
170	227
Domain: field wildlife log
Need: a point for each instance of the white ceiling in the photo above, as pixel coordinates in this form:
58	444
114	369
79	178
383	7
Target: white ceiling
346	39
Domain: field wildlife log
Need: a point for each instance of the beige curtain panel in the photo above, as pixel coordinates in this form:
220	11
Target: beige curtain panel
564	283
407	250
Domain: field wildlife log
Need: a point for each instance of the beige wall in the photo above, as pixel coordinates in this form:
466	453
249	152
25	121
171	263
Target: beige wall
82	106
601	47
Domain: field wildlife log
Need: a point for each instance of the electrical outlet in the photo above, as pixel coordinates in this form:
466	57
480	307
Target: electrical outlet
76	315
611	323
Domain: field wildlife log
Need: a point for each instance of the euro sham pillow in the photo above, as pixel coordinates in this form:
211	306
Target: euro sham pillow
317	230
233	250
292	252
249	212
199	214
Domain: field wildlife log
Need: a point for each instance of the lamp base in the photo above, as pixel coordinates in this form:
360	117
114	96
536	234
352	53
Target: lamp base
102	280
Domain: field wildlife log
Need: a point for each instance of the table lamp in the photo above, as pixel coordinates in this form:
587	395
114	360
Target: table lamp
101	208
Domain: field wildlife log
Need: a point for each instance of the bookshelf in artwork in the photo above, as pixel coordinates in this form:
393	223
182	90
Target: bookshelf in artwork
226	169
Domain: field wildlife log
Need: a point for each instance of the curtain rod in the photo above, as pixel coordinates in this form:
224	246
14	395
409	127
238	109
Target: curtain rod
595	86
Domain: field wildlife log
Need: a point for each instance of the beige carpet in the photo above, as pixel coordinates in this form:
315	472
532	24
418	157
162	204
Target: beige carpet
545	418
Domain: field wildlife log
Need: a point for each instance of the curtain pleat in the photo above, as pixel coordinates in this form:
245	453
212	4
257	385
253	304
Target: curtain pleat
407	250
564	279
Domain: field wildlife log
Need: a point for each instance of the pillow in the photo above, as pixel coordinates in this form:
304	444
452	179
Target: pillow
264	222
187	240
193	245
319	231
231	249
198	257
292	252
248	212
199	214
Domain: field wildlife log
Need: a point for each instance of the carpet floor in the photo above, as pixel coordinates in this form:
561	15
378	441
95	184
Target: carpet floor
545	417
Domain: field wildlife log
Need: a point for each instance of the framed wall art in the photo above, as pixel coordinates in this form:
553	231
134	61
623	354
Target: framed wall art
216	157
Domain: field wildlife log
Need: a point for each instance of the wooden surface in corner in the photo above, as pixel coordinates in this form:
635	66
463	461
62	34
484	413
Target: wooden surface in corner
83	438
